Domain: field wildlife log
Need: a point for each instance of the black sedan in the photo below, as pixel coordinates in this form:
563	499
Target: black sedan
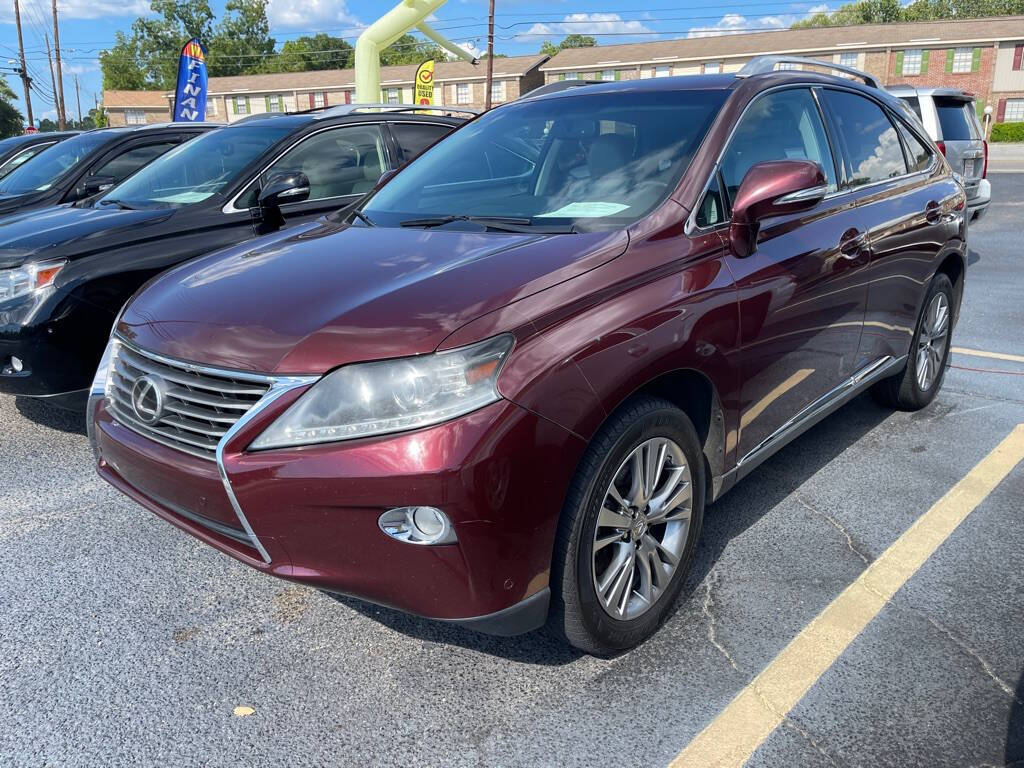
66	272
89	163
16	150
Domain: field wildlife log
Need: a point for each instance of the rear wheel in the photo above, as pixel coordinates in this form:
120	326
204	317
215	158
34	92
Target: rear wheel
920	380
629	528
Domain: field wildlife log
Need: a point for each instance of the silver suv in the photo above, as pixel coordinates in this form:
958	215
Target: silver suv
951	120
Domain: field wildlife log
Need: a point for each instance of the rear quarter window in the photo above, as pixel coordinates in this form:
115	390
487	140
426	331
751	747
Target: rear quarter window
873	149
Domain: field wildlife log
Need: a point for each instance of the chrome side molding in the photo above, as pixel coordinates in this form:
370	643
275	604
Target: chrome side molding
818	410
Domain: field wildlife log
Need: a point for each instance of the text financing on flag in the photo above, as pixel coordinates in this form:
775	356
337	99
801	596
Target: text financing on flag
190	96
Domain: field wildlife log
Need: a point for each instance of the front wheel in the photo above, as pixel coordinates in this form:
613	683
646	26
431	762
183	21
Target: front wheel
629	528
920	380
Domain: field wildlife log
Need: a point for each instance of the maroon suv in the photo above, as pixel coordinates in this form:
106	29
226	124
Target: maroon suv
501	392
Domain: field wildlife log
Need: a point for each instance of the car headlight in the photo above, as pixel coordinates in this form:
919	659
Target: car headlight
392	396
28	278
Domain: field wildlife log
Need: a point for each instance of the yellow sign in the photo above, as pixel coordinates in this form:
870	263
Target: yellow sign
423	92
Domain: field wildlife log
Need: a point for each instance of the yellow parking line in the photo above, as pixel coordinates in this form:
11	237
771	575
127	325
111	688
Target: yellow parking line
733	736
993	355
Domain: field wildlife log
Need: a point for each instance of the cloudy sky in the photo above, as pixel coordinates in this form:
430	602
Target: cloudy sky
88	26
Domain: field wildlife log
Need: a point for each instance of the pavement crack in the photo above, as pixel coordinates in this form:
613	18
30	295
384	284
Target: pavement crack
788	722
838	526
709	584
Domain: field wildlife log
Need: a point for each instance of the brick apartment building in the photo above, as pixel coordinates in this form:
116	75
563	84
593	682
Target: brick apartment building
983	56
232	98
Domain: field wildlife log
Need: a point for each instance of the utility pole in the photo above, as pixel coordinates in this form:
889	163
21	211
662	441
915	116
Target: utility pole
78	98
61	116
490	54
53	82
25	79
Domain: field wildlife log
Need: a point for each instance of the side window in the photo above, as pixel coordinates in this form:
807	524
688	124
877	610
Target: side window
711	212
784	125
337	162
873	148
125	164
413	138
919	155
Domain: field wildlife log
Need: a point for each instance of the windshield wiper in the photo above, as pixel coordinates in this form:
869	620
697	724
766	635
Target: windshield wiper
362	217
503	223
119	203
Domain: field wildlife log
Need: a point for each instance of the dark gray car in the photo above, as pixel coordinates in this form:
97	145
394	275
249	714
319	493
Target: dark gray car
949	116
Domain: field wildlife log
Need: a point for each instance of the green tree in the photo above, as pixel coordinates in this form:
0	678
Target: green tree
46	125
12	122
570	41
241	41
892	11
307	53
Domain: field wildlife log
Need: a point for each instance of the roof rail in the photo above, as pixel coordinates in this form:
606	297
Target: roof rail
760	65
558	85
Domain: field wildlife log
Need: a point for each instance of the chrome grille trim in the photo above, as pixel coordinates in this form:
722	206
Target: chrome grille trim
202	387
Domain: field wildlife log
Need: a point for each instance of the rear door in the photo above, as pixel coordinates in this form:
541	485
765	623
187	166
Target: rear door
125	159
903	204
960	134
802	293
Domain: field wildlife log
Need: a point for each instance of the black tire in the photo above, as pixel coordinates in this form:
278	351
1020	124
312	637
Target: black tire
576	613
902	391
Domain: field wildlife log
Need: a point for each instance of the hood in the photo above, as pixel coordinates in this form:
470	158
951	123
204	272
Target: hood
308	300
65	231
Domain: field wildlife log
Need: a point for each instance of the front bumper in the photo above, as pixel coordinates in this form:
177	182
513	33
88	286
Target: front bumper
977	205
500	474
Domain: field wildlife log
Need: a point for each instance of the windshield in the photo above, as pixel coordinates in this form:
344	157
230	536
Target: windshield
599	161
198	169
46	169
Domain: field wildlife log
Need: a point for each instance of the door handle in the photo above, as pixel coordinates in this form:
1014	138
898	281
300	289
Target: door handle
932	212
852	244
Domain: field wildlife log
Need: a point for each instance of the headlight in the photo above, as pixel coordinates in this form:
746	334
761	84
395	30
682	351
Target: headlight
392	396
26	279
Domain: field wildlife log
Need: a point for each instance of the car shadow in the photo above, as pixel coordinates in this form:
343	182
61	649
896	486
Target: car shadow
973	257
733	514
46	415
1015	728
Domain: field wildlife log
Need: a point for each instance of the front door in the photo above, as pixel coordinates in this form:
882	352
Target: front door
801	294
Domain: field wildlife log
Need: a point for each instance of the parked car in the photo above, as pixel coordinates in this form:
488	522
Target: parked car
15	150
501	391
69	270
87	164
950	117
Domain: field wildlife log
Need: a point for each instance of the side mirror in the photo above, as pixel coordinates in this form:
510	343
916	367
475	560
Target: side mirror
773	189
283	188
93	185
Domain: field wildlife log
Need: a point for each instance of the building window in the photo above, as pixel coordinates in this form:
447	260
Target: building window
912	62
663	70
135	117
319	100
462	93
712	67
273	103
211	106
963	59
849	59
392	96
608	74
1014	111
241	105
497	91
571	76
787	65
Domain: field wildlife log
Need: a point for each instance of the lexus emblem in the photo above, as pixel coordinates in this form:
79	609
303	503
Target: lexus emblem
148	399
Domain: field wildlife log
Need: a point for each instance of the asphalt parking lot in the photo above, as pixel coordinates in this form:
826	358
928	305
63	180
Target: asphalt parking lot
125	642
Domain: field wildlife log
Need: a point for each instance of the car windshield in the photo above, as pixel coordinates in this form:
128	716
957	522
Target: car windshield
49	166
596	161
198	169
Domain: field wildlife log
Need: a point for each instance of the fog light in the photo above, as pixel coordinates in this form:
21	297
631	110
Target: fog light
418	525
17	365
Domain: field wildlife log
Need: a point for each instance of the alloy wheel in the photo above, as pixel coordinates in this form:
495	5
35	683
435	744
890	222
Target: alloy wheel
642	528
931	341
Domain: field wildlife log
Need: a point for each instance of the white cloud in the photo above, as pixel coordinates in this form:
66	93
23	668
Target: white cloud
734	23
75	9
79	69
585	24
308	14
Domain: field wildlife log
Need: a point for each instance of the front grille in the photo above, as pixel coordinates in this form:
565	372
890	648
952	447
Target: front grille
199	405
